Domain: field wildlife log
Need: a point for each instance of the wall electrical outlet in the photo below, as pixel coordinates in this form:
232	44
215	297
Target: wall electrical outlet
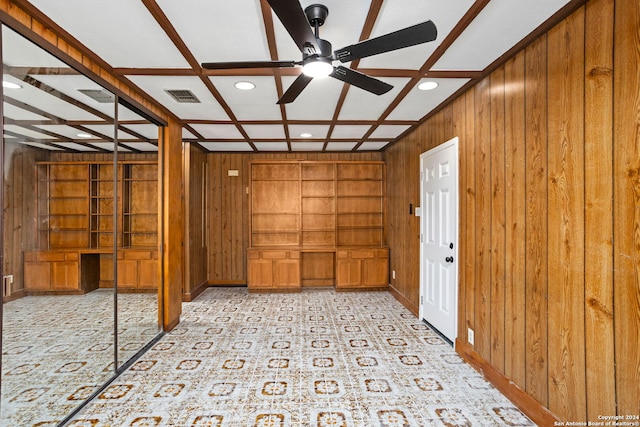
470	336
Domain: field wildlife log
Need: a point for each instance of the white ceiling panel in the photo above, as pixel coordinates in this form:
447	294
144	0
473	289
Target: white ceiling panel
349	131
226	146
148	130
500	25
256	104
362	105
122	32
20	52
108	146
26	132
316	102
264	131
104	130
418	103
17	113
217	131
372	145
141	146
316	131
72	133
398	14
307	146
389	131
272	146
208	109
219	31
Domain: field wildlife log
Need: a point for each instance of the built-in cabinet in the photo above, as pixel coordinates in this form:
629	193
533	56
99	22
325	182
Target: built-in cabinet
75	205
316	223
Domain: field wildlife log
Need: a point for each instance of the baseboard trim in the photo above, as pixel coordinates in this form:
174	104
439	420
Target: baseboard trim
413	308
527	404
190	296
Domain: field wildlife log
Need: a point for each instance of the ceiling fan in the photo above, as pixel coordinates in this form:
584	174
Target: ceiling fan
317	58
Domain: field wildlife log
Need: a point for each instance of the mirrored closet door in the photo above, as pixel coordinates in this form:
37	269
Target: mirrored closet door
79	235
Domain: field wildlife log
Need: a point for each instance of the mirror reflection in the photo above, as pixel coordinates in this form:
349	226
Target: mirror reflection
77	196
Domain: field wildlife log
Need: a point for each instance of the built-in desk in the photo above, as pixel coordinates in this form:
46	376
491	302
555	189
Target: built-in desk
78	271
351	268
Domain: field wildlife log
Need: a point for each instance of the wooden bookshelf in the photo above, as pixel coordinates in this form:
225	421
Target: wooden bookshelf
76	208
317	211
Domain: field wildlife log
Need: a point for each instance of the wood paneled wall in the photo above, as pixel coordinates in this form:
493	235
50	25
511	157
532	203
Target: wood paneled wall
549	269
228	209
19	210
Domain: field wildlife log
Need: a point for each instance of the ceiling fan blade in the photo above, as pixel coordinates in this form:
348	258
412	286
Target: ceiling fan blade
360	80
247	64
295	89
409	36
295	22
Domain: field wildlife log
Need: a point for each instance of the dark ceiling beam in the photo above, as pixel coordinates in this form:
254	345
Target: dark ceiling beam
175	38
277	73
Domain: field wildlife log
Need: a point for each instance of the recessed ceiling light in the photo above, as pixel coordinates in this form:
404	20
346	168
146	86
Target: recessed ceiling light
427	85
10	85
306	135
84	135
245	85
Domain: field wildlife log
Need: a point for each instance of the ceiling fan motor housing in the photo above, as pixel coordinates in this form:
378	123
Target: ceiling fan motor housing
325	50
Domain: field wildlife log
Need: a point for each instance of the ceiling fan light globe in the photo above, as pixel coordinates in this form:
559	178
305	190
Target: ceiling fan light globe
317	69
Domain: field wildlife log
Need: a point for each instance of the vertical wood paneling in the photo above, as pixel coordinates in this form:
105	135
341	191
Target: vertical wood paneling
483	218
566	218
626	178
600	365
497	219
515	259
458	128
568	179
468	235
536	227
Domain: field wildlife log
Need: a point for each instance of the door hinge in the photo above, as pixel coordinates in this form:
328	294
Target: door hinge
421	300
421	238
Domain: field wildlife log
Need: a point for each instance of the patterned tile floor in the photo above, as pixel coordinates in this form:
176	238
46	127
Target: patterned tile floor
58	350
317	358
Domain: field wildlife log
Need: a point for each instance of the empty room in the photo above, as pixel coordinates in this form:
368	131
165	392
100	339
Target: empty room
301	213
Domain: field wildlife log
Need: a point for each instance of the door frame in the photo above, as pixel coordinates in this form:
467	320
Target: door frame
452	143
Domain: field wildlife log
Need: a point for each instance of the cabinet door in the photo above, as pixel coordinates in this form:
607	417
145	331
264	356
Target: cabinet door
37	275
348	272
64	275
127	273
286	273
375	272
148	274
260	273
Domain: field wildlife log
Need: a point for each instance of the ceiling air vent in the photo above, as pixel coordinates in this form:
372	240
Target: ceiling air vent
99	95
183	96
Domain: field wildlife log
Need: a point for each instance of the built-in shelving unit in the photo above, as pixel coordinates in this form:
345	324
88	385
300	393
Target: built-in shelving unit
76	211
303	213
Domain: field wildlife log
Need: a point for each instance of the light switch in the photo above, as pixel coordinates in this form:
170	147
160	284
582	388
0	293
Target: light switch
232	172
418	211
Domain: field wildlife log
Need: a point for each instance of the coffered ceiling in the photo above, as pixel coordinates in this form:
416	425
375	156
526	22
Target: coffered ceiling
158	45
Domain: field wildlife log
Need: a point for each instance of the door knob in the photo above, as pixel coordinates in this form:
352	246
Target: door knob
449	259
